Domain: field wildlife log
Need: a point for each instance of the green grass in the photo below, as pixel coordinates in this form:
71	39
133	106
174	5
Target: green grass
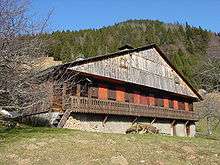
61	146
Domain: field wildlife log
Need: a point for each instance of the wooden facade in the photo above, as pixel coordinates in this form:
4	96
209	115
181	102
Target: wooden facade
137	82
129	94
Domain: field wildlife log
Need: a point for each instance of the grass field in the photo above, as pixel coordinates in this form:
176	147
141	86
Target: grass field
62	146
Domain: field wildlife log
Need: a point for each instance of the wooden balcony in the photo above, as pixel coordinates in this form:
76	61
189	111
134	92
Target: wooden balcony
97	106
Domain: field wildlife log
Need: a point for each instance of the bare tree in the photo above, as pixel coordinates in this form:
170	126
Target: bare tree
209	108
21	47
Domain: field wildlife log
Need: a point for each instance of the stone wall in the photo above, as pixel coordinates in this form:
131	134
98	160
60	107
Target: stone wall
110	124
119	124
180	129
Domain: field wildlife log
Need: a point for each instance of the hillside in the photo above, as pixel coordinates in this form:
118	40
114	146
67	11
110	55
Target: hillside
186	46
61	146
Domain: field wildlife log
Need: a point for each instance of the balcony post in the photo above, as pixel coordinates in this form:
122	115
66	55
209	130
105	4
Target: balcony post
78	90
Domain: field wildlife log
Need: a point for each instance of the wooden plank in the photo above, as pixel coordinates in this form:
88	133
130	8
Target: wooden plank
153	120
134	120
78	89
146	68
104	121
64	118
64	90
173	122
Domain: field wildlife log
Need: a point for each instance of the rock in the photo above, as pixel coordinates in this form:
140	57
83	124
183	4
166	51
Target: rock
142	161
119	160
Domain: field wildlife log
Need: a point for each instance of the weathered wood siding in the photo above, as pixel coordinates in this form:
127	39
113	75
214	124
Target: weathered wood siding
146	68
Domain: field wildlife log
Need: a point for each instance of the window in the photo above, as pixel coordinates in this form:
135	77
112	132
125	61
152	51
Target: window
159	102
130	97
111	94
191	106
151	99
127	96
181	105
94	92
84	90
171	103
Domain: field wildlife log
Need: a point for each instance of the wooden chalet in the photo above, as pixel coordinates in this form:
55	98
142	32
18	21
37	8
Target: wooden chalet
133	83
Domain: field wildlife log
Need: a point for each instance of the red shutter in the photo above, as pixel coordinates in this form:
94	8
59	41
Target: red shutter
166	103
120	94
103	92
144	99
175	104
136	98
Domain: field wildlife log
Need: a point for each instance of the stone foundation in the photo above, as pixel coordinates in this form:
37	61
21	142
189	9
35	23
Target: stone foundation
119	124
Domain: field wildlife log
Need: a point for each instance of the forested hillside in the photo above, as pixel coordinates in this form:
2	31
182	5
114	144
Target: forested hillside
186	46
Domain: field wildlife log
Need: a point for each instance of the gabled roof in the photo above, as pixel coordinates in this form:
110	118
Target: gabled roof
127	51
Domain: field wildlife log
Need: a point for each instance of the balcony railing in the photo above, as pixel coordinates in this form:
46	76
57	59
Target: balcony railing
97	106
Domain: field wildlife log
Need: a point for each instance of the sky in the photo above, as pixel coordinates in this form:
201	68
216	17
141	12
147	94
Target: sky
84	14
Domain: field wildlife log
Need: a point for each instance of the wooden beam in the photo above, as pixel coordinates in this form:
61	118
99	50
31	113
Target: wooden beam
173	122
64	118
153	120
78	89
104	121
64	89
134	120
186	122
89	92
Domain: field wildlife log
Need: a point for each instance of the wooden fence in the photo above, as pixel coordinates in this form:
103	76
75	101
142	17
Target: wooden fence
90	105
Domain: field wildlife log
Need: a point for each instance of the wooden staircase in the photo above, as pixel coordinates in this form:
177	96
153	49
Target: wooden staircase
63	118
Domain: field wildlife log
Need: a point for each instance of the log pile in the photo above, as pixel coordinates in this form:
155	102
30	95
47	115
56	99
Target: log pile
142	129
